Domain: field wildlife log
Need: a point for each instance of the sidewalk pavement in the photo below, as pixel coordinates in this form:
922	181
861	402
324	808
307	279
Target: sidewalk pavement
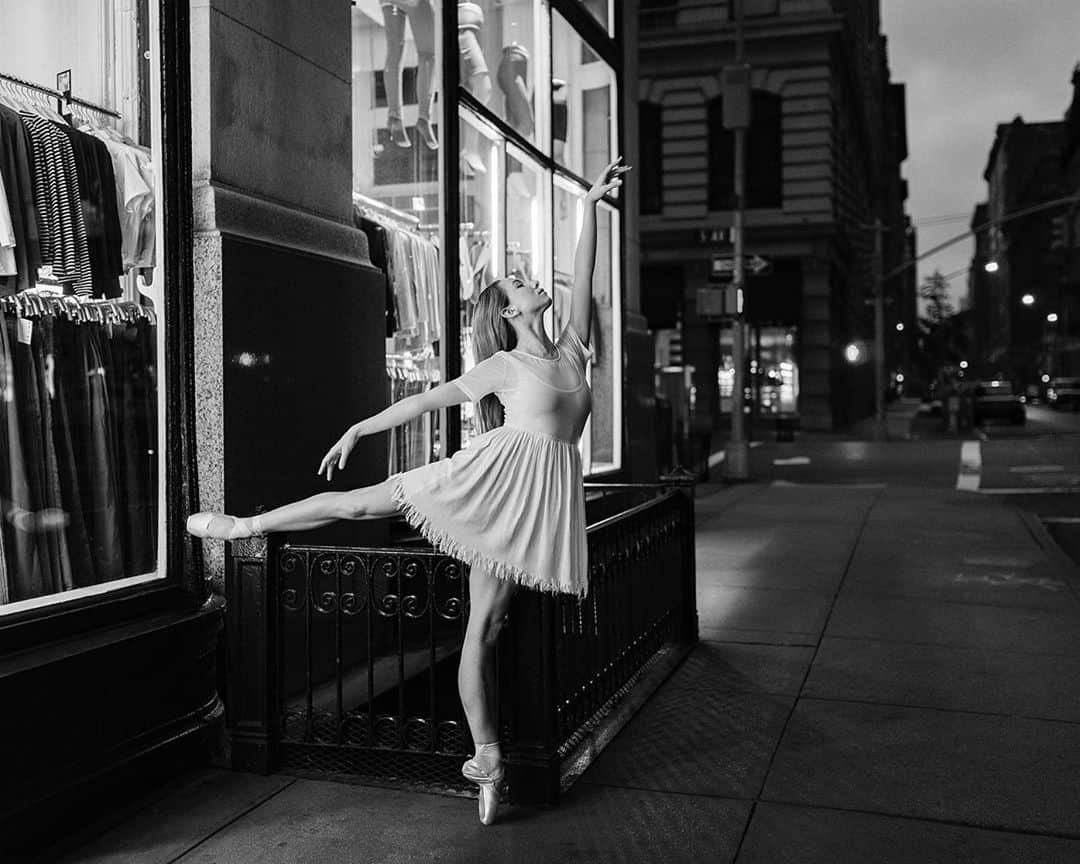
885	674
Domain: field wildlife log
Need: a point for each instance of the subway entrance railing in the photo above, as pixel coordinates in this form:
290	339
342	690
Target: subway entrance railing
342	662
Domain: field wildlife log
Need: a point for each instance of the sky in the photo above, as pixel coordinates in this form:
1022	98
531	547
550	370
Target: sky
969	65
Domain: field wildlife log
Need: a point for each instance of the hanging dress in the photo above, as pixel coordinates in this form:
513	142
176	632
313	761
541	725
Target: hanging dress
513	501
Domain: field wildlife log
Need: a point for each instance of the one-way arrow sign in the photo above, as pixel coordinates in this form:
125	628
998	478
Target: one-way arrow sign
723	266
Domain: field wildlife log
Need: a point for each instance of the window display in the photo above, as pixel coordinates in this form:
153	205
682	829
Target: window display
502	58
80	426
583	90
518	215
397	198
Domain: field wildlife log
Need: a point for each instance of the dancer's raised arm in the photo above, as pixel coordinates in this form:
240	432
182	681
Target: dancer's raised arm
442	396
585	259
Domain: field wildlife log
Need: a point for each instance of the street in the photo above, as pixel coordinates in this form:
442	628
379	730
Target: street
1034	466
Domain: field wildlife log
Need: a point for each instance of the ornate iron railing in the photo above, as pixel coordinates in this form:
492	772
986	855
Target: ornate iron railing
343	661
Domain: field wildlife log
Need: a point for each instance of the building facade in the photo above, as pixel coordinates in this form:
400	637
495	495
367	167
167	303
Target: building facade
287	212
1027	307
824	151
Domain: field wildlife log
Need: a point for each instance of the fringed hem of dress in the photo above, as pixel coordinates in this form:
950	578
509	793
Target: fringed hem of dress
445	542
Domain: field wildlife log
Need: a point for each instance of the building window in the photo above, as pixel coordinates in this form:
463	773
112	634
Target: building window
81	302
764	155
651	157
754	8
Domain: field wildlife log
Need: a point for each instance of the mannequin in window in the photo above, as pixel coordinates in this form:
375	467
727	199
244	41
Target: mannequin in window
513	77
559	118
475	78
421	17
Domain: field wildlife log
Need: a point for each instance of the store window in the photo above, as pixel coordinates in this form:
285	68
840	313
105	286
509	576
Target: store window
81	276
502	56
602	440
582	98
520	212
482	232
397	198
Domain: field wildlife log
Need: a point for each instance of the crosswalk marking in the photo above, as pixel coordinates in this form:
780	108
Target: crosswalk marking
970	467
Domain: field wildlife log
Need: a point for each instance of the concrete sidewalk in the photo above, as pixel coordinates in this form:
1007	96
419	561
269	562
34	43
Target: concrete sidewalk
885	674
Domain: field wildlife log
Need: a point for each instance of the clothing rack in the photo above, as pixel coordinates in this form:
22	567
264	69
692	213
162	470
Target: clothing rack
33	305
379	207
64	97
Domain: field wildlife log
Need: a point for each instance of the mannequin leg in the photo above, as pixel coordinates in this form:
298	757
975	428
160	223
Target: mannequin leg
474	75
422	20
394	20
512	77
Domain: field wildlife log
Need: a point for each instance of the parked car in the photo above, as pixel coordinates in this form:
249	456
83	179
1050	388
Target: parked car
1064	392
995	400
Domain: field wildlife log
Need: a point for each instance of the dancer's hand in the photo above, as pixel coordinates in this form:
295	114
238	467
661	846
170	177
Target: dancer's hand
611	178
338	455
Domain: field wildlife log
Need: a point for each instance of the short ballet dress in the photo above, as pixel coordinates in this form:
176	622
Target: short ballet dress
513	501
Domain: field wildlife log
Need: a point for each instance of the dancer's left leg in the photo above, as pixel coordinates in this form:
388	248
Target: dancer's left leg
367	502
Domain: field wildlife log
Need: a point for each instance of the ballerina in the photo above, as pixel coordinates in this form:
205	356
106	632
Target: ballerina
512	504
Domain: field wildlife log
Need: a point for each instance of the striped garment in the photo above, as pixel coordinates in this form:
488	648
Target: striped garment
58	202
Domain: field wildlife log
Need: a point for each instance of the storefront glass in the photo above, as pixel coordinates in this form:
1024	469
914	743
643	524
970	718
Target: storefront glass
520	215
772	382
81	276
481	228
398	198
602	11
502	53
582	98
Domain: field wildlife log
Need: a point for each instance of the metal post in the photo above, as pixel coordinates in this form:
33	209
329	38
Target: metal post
737	452
881	429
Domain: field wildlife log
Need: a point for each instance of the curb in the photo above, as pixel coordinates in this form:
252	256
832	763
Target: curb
1054	552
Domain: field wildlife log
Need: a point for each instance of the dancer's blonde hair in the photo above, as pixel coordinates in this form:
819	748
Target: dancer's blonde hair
491	333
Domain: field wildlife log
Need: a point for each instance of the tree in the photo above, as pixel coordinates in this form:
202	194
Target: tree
937	339
935	291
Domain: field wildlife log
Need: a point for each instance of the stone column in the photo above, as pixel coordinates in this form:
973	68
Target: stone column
288	310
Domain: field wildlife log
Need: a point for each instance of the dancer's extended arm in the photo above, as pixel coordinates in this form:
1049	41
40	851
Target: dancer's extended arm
400	412
585	259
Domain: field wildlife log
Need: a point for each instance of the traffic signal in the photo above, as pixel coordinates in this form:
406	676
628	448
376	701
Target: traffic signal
1059	232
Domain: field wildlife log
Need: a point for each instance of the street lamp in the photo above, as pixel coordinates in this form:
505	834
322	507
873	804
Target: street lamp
1028	299
899	326
991	267
853	353
1052	318
963	364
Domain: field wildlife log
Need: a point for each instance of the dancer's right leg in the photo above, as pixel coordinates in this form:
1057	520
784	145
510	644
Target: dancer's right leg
368	502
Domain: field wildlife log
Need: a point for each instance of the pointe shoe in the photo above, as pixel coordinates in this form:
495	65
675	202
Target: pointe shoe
491	788
217	526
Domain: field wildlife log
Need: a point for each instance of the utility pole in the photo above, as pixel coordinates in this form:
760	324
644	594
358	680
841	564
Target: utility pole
737	452
881	428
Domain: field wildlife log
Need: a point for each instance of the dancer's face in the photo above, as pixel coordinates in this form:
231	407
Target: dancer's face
524	297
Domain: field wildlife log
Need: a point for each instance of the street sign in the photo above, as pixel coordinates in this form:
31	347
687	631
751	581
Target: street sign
723	266
714	235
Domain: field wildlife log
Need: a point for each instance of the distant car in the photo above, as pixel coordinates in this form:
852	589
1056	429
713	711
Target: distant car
1064	392
995	400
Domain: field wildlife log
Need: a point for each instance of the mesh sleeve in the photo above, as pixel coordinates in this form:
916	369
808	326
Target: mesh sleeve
487	376
571	341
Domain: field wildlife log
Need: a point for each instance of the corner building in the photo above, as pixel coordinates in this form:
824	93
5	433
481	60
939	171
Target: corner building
823	161
300	205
